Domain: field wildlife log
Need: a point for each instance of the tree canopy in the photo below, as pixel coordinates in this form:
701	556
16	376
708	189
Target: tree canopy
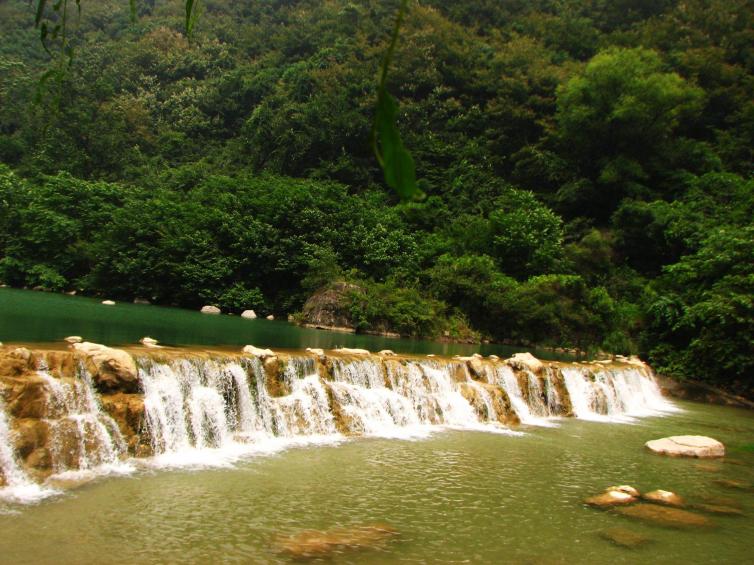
586	165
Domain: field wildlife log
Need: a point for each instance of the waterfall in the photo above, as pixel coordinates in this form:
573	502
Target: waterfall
199	411
613	395
508	381
16	486
207	413
83	437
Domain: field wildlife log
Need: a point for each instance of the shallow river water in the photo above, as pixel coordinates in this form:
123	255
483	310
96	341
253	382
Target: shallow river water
455	497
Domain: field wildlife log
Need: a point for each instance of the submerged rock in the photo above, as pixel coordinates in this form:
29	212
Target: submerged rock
210	310
249	314
111	369
733	484
315	544
386	353
625	537
718	509
142	301
108	302
664	497
687	446
664	516
610	498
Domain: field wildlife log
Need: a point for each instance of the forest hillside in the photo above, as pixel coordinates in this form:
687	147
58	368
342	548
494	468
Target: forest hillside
587	167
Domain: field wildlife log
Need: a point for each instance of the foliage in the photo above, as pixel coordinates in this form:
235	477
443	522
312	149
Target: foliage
586	165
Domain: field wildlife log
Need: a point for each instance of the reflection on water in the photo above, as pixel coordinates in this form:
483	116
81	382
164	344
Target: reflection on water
453	497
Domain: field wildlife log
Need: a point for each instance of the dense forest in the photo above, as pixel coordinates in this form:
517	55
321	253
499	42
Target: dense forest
586	164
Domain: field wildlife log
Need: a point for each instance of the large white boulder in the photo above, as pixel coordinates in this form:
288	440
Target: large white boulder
687	446
526	361
210	310
249	314
257	352
111	369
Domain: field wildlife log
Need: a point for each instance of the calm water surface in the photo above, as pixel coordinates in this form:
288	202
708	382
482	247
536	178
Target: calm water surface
27	316
457	497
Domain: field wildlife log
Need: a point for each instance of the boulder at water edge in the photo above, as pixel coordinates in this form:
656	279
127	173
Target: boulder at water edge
270	317
626	489
111	369
664	497
687	446
257	352
610	498
74	339
316	351
108	302
526	361
149	342
210	310
249	314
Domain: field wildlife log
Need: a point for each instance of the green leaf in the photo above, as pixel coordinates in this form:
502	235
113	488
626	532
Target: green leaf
132	5
397	163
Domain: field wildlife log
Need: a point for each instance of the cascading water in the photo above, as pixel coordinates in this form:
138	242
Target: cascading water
200	411
83	437
16	486
613	395
211	412
508	381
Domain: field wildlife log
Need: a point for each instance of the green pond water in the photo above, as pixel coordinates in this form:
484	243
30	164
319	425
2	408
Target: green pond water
456	497
27	316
